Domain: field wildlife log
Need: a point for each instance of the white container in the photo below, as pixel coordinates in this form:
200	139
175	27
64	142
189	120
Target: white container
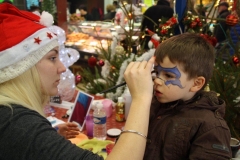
99	119
128	100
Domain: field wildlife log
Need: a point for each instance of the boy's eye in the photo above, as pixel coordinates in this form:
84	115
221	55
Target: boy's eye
155	71
169	75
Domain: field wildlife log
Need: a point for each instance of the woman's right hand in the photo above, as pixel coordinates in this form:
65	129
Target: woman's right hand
139	79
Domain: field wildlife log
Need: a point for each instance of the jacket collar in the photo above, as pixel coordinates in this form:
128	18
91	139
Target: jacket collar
202	99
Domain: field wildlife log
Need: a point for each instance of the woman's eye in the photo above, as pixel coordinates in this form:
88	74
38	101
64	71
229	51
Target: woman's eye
53	58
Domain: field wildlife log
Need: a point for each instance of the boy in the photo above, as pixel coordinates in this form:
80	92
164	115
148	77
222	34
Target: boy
185	121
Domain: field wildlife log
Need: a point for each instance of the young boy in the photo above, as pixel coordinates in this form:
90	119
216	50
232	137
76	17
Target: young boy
185	121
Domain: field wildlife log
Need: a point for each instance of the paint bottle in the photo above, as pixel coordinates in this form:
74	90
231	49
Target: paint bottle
120	110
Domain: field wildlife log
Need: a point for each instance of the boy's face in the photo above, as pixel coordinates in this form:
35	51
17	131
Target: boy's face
171	83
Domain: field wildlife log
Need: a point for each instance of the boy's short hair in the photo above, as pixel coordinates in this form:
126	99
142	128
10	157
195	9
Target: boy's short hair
190	50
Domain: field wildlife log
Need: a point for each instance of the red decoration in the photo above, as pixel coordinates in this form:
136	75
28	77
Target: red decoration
193	24
101	62
49	35
212	40
92	61
37	40
164	31
197	20
235	60
173	20
155	42
200	24
231	20
78	79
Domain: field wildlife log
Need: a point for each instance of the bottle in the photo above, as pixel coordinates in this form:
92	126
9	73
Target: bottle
99	119
120	110
128	100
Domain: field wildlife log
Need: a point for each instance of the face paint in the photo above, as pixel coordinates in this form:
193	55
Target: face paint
174	71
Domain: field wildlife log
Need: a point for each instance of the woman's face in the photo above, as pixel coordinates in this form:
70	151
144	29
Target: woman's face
50	68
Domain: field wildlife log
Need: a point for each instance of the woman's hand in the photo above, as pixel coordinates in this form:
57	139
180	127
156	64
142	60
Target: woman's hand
68	130
139	79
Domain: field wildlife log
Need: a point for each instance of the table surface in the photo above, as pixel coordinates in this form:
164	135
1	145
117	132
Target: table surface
111	122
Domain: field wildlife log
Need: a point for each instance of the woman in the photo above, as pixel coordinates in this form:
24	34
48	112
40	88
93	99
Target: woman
30	72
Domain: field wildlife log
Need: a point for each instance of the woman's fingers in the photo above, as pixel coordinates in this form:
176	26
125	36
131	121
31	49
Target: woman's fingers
138	77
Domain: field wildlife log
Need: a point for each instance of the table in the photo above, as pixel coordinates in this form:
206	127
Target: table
111	122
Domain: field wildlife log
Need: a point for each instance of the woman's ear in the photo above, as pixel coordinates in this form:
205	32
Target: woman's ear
198	84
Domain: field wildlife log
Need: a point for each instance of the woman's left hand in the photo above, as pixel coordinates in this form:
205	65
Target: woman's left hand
68	130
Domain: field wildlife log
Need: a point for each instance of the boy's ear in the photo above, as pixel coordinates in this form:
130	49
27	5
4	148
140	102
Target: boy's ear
198	84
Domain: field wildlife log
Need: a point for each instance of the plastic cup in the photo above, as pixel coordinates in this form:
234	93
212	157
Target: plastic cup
89	125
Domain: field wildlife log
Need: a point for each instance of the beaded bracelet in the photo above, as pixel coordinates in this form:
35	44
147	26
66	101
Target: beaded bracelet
135	132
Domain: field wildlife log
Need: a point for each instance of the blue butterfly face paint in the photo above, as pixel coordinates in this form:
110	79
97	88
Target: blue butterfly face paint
168	75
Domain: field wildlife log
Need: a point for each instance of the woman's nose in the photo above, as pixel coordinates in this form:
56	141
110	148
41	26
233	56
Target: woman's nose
61	68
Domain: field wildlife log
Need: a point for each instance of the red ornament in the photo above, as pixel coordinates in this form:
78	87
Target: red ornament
164	31
101	62
78	79
214	41
231	20
197	20
92	61
235	60
173	20
193	24
200	24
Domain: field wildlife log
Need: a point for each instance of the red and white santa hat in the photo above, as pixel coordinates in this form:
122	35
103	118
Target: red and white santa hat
24	40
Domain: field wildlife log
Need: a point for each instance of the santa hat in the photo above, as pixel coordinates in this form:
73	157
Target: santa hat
151	33
24	40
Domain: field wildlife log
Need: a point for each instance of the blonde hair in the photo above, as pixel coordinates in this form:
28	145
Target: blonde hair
24	90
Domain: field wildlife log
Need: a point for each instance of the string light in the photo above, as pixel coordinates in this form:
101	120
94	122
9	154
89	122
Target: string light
67	56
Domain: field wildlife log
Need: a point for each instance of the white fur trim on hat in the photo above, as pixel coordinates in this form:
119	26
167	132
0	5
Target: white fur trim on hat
16	60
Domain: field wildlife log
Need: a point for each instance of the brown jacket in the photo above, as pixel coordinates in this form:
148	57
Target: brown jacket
194	130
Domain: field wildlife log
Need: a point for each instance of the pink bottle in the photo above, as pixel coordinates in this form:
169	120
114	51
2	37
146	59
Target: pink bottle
107	105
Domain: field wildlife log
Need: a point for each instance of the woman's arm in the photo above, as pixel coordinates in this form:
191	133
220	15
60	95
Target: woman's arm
139	81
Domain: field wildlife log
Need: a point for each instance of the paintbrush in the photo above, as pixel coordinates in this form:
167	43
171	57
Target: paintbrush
109	89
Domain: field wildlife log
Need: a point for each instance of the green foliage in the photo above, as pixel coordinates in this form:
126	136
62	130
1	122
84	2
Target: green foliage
226	82
49	6
91	81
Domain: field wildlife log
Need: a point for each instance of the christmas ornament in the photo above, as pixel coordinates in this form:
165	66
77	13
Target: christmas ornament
193	24
113	68
231	20
154	41
92	61
78	79
235	60
101	62
119	49
211	39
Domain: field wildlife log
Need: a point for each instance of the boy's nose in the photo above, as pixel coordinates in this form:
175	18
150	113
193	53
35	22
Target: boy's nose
159	81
